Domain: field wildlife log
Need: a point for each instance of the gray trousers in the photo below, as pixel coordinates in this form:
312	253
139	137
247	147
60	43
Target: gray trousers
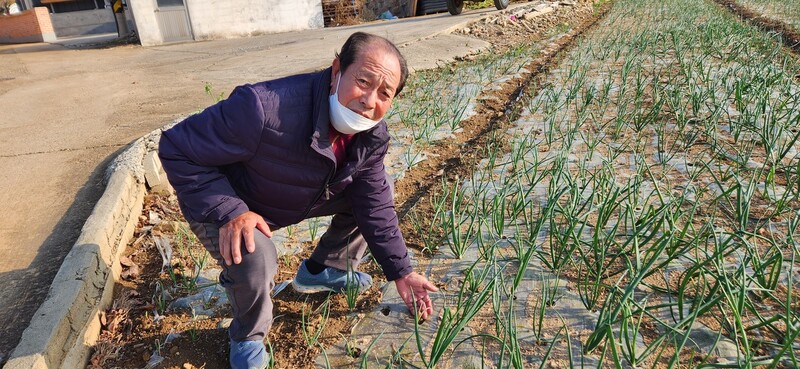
249	283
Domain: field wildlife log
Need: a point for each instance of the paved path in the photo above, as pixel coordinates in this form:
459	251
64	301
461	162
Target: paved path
65	113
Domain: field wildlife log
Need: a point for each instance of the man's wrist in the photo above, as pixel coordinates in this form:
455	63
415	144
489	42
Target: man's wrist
226	212
394	270
404	276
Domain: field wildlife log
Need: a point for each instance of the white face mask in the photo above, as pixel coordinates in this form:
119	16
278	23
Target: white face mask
345	120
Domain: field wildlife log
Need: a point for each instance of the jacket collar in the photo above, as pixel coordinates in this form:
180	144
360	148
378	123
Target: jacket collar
321	89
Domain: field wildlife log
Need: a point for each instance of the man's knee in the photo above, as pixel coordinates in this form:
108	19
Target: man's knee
265	245
263	261
257	268
263	257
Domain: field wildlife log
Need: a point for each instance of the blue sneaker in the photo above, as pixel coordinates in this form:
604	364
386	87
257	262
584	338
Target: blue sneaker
248	355
330	279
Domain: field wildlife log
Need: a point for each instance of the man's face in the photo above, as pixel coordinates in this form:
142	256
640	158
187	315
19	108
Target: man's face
368	85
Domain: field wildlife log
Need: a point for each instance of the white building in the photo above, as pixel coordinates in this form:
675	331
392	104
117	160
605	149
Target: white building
164	21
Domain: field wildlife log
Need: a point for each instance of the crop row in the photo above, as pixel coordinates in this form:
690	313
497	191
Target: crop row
654	182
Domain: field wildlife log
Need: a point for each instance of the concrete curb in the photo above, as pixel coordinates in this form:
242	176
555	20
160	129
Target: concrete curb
67	324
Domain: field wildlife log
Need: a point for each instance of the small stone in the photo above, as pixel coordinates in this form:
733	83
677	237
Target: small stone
154	218
467	30
533	15
130	273
164	189
126	261
172	226
153	171
173	350
225	323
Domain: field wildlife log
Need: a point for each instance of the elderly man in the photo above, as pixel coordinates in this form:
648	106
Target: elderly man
278	152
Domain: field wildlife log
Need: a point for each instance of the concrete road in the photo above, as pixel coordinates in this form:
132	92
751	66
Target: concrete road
64	113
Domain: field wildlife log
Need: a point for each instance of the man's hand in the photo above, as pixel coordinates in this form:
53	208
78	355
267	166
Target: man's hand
230	236
413	288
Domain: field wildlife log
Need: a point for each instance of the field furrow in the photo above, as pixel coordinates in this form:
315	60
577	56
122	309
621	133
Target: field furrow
645	214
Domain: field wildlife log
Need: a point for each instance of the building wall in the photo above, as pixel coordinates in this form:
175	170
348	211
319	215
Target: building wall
146	24
219	19
215	19
29	26
86	22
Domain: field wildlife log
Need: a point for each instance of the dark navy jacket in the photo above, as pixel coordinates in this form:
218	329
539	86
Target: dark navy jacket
266	149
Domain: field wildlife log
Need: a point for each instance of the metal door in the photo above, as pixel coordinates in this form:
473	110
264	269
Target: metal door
173	21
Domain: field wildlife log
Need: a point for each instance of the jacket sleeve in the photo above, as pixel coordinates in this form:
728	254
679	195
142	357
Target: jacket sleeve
193	151
373	208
